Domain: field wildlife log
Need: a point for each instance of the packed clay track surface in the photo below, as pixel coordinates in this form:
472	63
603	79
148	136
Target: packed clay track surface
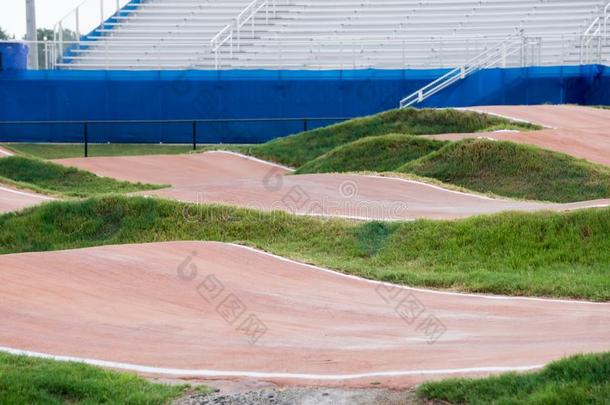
213	310
13	199
578	131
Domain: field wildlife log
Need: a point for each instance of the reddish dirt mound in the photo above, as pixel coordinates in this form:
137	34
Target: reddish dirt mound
583	132
14	200
222	311
228	178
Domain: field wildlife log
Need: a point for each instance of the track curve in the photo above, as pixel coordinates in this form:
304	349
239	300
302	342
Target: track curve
228	178
12	199
162	308
582	132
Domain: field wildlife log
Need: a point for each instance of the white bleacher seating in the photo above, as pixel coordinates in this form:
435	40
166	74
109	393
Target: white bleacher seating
331	34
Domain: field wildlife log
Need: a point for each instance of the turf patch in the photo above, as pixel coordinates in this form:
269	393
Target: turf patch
296	150
376	153
575	380
25	380
514	170
51	178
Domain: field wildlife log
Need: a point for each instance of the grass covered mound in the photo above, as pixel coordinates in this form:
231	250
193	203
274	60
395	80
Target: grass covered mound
296	150
51	178
25	380
575	380
375	153
514	170
541	254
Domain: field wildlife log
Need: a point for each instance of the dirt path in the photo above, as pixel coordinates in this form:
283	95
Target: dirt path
227	178
12	199
583	132
212	310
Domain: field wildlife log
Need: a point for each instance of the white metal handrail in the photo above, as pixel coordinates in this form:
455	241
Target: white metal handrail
596	34
493	56
104	9
232	31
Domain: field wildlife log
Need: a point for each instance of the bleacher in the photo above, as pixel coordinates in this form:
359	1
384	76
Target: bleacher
323	34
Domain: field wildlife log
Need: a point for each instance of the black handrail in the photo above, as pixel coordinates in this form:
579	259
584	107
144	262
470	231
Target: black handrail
193	122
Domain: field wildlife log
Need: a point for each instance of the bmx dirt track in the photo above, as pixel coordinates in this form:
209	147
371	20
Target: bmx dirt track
12	199
228	178
162	309
582	132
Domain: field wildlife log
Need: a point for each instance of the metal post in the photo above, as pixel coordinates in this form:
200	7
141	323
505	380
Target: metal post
194	135
102	14
86	139
305	125
77	14
32	34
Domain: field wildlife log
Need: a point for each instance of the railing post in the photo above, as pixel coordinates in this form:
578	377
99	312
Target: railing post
305	125
101	13
194	135
86	138
77	14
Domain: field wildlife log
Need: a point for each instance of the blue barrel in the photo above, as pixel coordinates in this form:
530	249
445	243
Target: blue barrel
13	56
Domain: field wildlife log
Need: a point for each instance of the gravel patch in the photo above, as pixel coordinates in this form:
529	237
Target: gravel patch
305	396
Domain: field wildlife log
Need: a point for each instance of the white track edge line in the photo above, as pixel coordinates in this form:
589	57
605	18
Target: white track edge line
252	158
433	186
42	197
424	290
508	117
255	374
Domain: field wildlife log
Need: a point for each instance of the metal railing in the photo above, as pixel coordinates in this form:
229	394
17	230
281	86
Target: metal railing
497	55
181	131
86	17
595	37
232	31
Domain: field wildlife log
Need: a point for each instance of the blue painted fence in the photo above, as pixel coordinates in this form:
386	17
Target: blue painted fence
163	95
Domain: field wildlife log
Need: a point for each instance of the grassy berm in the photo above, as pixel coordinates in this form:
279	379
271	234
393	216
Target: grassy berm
536	254
50	178
375	153
514	170
296	150
575	380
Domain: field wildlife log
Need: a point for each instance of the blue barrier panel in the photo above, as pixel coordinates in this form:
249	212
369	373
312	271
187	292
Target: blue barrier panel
13	56
204	95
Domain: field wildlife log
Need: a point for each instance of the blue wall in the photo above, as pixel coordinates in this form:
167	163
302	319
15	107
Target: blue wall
106	95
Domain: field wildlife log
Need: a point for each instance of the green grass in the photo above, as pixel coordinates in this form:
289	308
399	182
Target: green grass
541	254
296	150
376	153
64	151
50	178
514	170
25	380
583	379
